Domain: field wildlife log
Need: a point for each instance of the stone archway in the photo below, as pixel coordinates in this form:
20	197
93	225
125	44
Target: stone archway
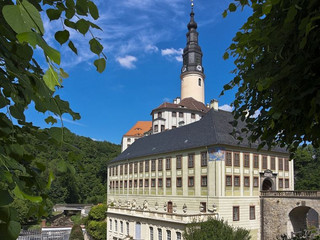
301	218
268	180
267	184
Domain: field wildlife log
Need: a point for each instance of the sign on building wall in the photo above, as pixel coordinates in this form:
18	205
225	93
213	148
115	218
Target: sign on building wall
216	154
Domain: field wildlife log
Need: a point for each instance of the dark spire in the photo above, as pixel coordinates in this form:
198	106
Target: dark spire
192	54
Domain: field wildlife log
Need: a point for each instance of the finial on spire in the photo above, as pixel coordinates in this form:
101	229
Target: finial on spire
192	5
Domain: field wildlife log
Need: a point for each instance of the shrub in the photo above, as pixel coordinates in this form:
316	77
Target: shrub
98	212
97	229
76	233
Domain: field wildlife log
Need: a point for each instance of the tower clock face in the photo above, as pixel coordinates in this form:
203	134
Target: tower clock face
199	68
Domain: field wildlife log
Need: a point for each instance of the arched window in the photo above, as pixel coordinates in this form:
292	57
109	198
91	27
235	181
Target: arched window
199	82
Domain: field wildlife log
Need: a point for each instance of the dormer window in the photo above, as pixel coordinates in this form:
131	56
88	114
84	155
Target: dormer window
129	139
193	115
159	114
181	114
174	114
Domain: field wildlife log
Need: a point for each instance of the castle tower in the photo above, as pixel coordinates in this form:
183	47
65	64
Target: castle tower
192	73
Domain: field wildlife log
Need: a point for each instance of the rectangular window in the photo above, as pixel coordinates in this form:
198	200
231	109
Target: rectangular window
179	182
116	225
162	128
110	224
247	181
174	114
168	235
130	168
193	116
127	228
247	160
125	184
156	128
151	233
280	183
228	180
203	207
236	160
160	164
146	182
121	184
191	160
280	163
159	234
236	181
135	167
153	165
256	161
126	169
286	164
116	184
252	212
141	167
203	181
121	226
159	114
168	182
273	163
146	166
153	182
179	162
180	114
116	170
140	183
286	183
178	235
228	159
160	182
236	213
264	162
255	181
121	169
168	163
135	183
191	181
204	159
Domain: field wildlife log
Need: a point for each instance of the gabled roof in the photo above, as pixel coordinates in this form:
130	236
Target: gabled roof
213	129
139	129
186	103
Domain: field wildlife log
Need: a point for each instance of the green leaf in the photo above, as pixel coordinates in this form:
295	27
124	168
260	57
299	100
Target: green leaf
62	36
225	55
70	11
23	17
17	111
5	198
22	195
62	166
72	47
70	24
14	229
93	10
266	7
82	7
232	7
63	74
56	134
51	79
95	46
51	120
50	179
100	64
53	14
83	26
291	14
225	13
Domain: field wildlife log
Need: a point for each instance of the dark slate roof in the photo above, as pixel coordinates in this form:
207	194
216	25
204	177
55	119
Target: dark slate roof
213	129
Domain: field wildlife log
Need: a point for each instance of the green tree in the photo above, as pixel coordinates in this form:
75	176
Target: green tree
277	57
215	230
76	233
23	81
96	224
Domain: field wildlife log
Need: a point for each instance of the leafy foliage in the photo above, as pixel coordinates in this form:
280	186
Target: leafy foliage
277	57
96	225
23	81
304	235
76	233
215	230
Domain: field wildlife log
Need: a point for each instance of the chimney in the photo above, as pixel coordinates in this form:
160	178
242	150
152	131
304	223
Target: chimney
178	100
175	101
214	104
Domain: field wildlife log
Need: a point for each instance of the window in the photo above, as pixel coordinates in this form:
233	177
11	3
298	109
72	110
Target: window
153	165
193	116
116	184
191	181
280	163
140	183
159	234
130	168
199	82
121	169
255	181
126	169
121	184
116	225
127	228
228	180
160	182
141	167
110	224
252	212
135	183
191	160
156	128
129	139
151	233
178	235
235	213
246	181
168	235
203	181
174	114
203	207
168	182
162	128
146	166
246	160
273	163
121	226
153	182
256	161
236	160
159	114
179	182
125	184
228	159
286	164
160	164
180	114
264	162
204	159
146	182
236	181
135	167
179	163
286	183
173	127
168	163
280	183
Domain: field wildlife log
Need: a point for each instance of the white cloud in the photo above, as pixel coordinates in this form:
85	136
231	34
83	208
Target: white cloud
166	99
172	53
127	61
151	48
226	107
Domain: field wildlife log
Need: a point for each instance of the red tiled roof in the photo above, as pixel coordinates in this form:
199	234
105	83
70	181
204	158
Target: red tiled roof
187	103
139	129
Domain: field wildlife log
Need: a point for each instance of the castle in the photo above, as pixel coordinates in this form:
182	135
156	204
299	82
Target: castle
186	166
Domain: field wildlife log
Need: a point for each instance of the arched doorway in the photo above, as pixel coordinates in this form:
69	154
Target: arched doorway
267	184
301	218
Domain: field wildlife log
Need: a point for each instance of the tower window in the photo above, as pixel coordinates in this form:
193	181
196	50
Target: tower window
199	82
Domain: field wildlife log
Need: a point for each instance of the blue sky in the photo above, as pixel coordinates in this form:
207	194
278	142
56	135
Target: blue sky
143	41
